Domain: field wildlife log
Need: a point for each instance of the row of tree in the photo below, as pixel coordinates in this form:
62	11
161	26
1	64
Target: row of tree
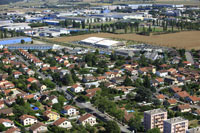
4	33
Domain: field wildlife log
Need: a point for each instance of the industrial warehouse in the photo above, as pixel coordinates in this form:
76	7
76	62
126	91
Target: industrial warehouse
33	47
101	42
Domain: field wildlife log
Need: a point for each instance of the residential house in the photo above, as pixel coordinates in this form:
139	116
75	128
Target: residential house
10	101
52	116
192	99
182	94
118	80
13	130
172	71
172	102
180	77
38	128
6	112
87	119
160	81
28	120
132	71
145	70
3	76
197	112
77	88
102	78
7	122
157	81
176	89
63	123
2	104
162	73
92	92
197	65
89	79
163	66
171	80
30	72
184	108
16	74
53	99
109	75
160	97
32	80
187	63
70	110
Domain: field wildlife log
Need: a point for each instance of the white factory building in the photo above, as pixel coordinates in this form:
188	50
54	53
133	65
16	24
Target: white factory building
54	32
16	26
101	42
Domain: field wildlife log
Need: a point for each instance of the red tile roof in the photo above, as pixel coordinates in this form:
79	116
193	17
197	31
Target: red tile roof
183	94
12	130
69	107
172	101
176	89
23	117
36	126
184	106
31	79
84	117
161	96
59	121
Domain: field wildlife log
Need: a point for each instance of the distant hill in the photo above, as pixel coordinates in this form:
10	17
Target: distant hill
2	2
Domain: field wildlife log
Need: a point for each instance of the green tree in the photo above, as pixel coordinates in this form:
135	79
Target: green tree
112	127
83	24
37	104
143	94
154	130
20	101
61	99
67	80
125	29
22	41
34	87
136	123
49	83
2	128
128	81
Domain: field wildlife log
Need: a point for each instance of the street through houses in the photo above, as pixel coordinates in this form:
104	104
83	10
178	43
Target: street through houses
91	109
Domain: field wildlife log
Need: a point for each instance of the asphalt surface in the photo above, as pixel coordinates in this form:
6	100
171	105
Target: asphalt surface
27	64
90	109
189	57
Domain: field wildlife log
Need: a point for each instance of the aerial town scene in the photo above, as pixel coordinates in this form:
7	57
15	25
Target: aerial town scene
99	66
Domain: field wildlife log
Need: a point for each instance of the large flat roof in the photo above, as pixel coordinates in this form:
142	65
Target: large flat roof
92	40
155	111
175	120
107	42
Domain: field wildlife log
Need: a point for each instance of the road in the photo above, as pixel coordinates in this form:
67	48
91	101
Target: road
189	57
90	109
104	117
27	64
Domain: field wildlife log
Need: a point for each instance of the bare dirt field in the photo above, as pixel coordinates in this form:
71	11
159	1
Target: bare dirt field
187	39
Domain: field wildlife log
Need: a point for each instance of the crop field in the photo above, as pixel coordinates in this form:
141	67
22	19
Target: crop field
187	39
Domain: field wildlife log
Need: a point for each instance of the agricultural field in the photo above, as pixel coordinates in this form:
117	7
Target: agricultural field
186	39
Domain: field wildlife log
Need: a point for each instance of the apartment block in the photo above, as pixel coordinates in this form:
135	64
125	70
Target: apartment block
154	119
175	125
